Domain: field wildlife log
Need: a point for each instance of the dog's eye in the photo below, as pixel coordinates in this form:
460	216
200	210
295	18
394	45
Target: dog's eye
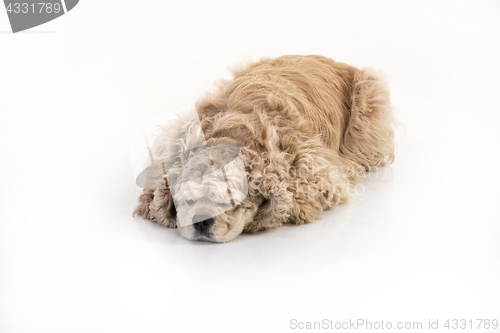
225	205
190	202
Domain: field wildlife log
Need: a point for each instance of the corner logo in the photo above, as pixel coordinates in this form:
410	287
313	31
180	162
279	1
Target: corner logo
26	14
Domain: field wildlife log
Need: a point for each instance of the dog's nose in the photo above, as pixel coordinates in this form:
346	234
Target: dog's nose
204	224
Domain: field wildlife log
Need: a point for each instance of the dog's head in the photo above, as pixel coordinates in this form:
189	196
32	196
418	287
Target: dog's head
209	188
213	190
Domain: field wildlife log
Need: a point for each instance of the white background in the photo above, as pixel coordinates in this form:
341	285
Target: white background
422	242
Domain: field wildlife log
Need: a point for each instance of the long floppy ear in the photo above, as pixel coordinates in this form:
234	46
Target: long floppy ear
268	175
157	206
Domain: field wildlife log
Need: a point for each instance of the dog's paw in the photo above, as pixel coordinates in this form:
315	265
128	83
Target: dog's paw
253	228
263	223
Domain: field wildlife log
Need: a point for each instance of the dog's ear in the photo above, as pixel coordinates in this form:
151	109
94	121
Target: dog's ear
269	177
163	209
157	206
143	202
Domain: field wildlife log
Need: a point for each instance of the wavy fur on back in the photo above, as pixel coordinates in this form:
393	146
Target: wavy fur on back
308	127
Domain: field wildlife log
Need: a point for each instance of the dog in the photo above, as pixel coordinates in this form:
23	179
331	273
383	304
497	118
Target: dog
308	129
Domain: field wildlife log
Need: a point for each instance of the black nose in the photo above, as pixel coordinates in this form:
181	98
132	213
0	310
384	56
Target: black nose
204	224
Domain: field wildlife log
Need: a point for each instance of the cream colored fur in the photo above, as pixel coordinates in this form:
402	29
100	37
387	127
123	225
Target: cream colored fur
308	128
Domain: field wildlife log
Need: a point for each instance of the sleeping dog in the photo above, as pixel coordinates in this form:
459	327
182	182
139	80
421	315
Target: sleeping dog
308	129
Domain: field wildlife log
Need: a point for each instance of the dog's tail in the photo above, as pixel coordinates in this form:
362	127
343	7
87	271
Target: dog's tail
369	134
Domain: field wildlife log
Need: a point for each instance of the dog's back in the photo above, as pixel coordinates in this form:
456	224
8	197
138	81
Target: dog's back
318	87
348	108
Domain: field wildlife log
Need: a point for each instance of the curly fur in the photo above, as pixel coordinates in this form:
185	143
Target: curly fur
308	128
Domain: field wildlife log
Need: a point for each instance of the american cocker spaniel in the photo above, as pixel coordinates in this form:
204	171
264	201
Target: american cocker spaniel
308	129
